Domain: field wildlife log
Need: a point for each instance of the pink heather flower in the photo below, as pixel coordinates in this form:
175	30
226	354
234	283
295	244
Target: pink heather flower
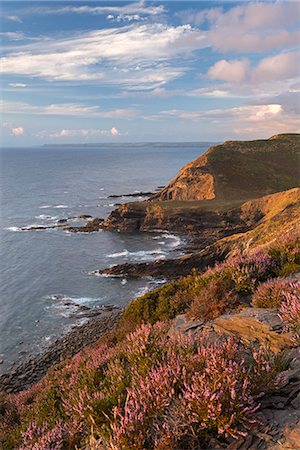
290	310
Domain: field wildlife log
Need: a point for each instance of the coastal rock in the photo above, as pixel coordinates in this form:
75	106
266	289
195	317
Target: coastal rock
182	325
23	375
92	224
134	194
250	326
254	325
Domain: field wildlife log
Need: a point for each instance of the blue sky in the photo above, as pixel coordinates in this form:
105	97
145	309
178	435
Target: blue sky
148	71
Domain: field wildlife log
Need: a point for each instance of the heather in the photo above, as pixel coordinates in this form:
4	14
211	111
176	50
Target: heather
142	389
272	293
290	310
148	391
220	288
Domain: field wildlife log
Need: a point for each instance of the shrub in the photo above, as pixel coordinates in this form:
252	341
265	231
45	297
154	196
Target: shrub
248	272
271	293
147	392
290	310
213	300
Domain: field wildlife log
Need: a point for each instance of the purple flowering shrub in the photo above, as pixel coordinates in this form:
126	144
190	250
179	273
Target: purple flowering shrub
215	291
272	293
149	391
143	390
290	310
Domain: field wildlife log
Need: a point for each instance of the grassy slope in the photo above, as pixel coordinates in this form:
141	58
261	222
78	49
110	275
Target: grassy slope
280	218
251	169
244	169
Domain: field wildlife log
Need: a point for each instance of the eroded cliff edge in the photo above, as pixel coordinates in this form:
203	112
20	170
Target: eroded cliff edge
222	179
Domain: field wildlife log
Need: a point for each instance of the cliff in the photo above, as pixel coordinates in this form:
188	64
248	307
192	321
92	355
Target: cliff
254	223
206	189
239	170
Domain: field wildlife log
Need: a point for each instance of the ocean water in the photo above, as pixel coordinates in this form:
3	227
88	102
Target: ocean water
45	275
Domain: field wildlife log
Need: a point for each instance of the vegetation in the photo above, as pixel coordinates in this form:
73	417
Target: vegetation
272	293
148	391
239	170
218	289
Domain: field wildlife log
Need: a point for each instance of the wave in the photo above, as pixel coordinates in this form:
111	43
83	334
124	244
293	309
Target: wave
53	206
15	229
67	306
139	255
46	217
25	228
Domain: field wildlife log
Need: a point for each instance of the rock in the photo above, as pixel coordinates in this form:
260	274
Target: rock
134	194
250	326
237	169
93	224
34	368
255	325
182	325
296	402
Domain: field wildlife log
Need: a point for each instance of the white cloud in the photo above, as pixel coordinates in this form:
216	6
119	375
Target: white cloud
234	70
243	121
85	133
66	109
132	56
14	18
129	9
114	131
279	67
17	131
250	27
13	35
18	85
284	66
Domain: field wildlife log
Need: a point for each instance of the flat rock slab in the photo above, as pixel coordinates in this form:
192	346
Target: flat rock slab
255	325
183	325
251	325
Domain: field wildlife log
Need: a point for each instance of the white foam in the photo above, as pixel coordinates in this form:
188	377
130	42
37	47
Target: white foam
43	217
15	229
97	273
45	206
176	240
60	206
46	217
139	255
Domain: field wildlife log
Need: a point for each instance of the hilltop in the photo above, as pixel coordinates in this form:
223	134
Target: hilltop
239	170
222	179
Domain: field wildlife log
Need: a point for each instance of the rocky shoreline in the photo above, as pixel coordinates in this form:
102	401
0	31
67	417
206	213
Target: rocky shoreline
21	376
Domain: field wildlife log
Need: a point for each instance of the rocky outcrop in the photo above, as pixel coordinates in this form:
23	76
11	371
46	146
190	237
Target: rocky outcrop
255	223
278	419
212	188
251	326
193	182
23	375
147	216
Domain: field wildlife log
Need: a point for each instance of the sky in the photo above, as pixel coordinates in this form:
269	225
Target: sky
86	72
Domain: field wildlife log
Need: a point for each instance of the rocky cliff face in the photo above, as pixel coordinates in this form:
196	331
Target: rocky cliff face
238	170
252	224
206	189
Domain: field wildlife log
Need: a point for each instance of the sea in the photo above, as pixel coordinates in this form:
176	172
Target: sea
46	276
